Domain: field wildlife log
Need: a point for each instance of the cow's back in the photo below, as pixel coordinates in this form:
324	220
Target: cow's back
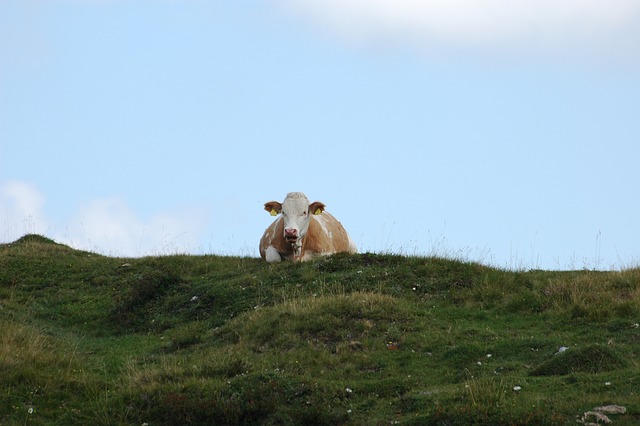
327	235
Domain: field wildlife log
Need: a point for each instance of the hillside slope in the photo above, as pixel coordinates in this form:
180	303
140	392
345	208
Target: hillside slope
348	339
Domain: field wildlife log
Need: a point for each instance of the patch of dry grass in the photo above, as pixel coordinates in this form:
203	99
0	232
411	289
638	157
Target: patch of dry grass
595	295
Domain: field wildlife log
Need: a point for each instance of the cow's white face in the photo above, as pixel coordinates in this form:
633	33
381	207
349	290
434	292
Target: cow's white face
296	213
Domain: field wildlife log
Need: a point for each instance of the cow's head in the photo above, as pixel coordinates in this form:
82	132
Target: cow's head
296	212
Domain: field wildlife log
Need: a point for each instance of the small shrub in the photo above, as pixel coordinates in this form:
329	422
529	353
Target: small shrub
591	359
486	393
525	302
34	239
130	312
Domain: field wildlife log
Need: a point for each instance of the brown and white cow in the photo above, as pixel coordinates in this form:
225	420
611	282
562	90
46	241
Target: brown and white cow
302	231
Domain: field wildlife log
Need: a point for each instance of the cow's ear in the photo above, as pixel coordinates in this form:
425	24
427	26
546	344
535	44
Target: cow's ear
273	207
316	207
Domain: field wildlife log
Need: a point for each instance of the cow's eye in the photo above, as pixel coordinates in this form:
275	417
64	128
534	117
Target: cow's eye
304	213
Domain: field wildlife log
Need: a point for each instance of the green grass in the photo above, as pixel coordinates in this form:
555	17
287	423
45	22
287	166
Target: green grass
349	339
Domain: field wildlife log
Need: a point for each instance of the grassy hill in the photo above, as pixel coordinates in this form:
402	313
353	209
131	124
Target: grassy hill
349	339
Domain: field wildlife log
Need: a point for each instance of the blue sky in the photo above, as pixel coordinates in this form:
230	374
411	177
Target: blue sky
506	134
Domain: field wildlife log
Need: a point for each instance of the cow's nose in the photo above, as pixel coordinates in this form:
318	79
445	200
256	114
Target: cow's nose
291	232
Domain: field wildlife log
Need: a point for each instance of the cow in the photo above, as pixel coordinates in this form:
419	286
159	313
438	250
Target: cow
302	231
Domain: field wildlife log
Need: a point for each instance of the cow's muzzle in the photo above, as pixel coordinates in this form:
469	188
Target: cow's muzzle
291	235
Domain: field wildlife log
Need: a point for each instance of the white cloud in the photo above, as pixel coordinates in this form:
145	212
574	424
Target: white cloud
547	26
107	226
21	210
